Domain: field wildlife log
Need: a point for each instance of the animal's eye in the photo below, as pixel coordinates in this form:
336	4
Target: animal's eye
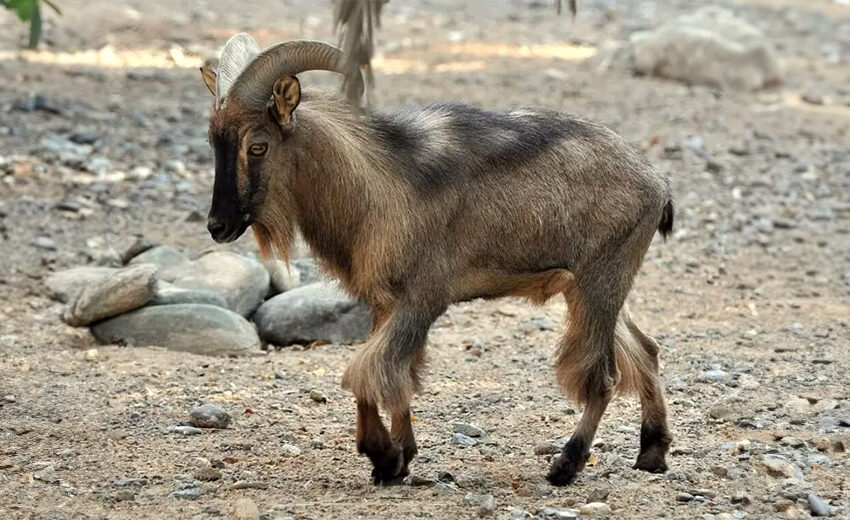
258	149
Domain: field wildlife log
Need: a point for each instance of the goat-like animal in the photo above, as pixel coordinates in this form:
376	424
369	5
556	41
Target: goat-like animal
425	207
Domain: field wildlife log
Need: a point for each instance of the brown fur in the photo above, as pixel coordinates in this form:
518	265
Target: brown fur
410	220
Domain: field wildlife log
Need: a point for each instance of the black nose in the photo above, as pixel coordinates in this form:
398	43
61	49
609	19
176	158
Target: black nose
216	227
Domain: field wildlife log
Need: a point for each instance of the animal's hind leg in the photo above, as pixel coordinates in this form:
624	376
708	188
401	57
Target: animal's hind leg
655	436
587	371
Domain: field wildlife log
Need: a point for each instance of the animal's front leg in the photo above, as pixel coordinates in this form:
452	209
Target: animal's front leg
385	372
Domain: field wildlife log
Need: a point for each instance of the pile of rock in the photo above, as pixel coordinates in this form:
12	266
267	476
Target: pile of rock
710	46
161	297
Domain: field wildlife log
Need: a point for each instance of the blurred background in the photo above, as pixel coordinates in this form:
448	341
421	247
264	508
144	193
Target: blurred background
745	103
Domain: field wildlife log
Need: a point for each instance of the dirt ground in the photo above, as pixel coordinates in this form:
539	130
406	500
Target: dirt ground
750	298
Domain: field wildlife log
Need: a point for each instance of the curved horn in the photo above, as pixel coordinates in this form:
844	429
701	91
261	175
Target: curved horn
254	84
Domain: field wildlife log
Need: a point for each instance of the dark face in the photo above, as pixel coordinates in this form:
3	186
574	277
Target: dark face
240	155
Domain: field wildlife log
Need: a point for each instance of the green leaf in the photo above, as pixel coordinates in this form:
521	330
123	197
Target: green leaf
24	8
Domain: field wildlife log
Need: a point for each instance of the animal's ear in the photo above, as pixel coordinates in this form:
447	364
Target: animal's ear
286	95
209	79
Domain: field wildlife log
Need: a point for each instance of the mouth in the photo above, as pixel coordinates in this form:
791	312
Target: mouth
231	232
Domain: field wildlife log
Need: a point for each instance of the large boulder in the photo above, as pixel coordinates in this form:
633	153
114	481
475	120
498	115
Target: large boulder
170	294
196	328
710	46
119	292
242	281
64	285
168	261
315	312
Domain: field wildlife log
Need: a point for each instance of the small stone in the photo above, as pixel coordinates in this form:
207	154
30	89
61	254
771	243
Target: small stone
9	398
486	506
47	475
46	243
249	484
818	506
777	466
290	450
598	495
207	474
557	512
812	98
91	355
185	430
595	509
279	374
416	481
192	493
519	513
245	509
463	440
467	429
117	434
714	376
318	396
546	448
124	495
793	442
129	481
209	415
683	496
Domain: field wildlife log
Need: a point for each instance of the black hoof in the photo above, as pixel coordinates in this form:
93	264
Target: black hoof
651	461
389	466
563	471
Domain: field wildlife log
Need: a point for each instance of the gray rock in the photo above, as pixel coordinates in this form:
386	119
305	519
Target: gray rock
463	440
193	493
282	276
486	506
777	466
714	376
546	448
120	292
200	329
242	281
557	512
169	294
684	497
315	312
290	450
64	285
709	46
209	415
818	506
467	429
308	271
595	509
185	430
47	475
168	260
245	509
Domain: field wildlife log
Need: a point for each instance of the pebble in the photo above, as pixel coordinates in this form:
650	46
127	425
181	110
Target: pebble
595	509
291	450
185	430
124	495
684	497
129	481
192	493
467	429
463	440
546	448
318	396
91	355
207	474
249	484
416	480
245	509
557	512
779	467
714	376
598	495
9	398
47	475
209	415
486	506
818	506
46	243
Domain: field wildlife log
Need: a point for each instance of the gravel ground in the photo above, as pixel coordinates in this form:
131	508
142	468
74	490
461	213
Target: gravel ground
749	298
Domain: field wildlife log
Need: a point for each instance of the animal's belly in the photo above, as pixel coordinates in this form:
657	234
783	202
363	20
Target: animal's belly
537	287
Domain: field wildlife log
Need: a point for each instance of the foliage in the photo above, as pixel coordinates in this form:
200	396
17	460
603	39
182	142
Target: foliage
30	11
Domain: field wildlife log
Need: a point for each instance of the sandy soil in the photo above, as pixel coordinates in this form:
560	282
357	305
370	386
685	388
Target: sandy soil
754	283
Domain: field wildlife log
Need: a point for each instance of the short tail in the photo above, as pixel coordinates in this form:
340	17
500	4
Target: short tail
665	227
